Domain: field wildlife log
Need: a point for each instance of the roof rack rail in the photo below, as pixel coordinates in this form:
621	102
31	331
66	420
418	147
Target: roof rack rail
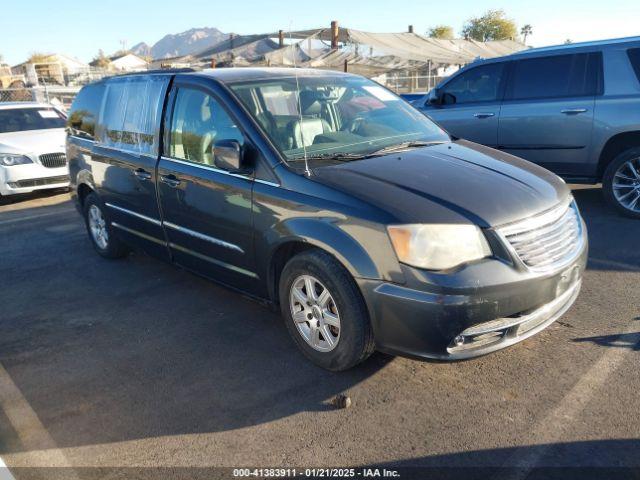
159	70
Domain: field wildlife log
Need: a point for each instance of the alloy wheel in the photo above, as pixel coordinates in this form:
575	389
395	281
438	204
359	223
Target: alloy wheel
626	185
98	227
315	313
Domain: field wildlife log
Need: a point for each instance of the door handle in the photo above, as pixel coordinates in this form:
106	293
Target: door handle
170	180
484	115
573	111
142	174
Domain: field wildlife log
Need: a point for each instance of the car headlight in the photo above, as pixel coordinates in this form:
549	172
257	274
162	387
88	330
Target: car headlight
10	159
438	247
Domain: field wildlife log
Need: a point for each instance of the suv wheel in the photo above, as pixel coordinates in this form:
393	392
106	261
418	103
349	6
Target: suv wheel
621	183
324	311
100	230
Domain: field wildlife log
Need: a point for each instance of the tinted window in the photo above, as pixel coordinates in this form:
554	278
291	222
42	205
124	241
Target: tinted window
480	84
634	57
20	119
198	122
85	111
130	118
557	76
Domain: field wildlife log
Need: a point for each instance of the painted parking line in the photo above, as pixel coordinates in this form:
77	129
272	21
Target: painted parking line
32	433
34	217
5	473
554	425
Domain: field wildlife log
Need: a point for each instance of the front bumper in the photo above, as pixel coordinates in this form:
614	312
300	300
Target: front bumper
28	178
458	316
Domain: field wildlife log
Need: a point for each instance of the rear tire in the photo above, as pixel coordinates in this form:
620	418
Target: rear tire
331	326
621	183
100	230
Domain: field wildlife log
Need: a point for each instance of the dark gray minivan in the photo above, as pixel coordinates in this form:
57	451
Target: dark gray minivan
325	194
574	109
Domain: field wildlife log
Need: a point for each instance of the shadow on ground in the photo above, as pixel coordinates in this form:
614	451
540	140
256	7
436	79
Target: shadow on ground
611	235
107	351
603	459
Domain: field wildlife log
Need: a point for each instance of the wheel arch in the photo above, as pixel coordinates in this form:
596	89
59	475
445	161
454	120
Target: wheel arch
84	186
306	234
615	146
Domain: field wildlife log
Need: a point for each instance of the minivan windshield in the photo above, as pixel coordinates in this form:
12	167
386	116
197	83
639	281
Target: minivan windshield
38	118
335	117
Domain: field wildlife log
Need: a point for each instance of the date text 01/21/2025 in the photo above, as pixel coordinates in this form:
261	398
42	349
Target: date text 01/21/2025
315	473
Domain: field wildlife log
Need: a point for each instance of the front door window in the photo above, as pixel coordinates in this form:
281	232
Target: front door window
198	122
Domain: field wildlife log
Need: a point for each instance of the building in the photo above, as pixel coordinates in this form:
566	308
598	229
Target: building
128	62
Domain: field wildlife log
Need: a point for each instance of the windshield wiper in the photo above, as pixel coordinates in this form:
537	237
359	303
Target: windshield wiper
403	146
330	156
359	156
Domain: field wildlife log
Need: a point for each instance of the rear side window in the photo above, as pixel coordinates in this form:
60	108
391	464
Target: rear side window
634	58
85	110
558	76
131	114
479	84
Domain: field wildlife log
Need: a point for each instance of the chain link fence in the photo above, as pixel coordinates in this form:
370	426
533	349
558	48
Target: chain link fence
16	95
61	97
411	83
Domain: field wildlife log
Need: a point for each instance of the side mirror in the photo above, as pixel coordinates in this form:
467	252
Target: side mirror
227	155
434	98
448	99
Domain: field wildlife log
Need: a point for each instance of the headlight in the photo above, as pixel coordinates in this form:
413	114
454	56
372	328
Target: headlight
10	159
438	247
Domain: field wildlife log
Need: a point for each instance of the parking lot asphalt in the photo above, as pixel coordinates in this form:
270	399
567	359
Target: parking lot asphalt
135	363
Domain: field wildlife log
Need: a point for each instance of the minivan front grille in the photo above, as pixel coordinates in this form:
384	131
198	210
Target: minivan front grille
549	241
53	160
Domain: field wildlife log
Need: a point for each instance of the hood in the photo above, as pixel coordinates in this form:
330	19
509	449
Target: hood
37	142
457	182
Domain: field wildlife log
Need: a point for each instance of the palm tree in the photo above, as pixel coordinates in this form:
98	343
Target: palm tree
525	32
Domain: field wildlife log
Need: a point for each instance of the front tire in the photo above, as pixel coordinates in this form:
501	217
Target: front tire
324	311
100	231
621	183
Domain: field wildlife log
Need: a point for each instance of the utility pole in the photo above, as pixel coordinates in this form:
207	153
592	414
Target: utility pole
335	34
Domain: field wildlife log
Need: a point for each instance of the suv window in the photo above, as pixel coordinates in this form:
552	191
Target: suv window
557	76
480	84
85	111
634	58
198	122
129	118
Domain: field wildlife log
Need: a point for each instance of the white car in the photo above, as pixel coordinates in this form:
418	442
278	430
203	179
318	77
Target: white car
32	146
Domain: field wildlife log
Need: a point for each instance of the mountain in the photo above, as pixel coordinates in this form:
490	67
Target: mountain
185	43
141	49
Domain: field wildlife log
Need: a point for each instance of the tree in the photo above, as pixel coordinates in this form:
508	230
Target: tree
568	41
525	32
444	32
101	60
493	25
39	57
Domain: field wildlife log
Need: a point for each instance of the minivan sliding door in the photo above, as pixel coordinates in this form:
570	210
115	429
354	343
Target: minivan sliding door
126	155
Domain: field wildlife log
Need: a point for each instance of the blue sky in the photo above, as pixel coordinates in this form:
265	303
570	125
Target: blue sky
81	28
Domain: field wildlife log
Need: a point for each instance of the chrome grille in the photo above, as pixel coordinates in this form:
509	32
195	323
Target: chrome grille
53	160
548	241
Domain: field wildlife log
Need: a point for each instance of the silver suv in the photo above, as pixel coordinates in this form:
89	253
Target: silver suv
574	109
